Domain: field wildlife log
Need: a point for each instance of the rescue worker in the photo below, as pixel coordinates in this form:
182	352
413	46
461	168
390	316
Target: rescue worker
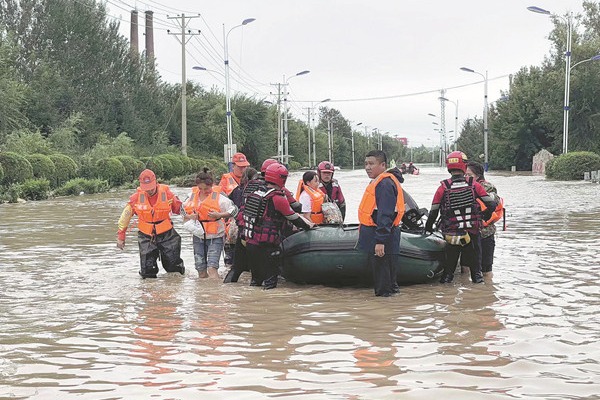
208	205
330	186
265	213
153	203
461	216
230	181
311	198
240	245
488	230
380	214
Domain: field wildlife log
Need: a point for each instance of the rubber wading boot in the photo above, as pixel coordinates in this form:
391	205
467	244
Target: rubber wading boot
146	276
232	276
447	278
270	283
477	277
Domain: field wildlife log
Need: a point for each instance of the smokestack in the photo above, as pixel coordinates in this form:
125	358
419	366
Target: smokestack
133	33
149	38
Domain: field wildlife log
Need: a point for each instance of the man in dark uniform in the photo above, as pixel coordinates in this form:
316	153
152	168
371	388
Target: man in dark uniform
380	214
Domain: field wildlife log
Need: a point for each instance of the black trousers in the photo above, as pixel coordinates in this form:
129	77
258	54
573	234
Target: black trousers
470	256
264	264
167	245
488	245
240	262
384	273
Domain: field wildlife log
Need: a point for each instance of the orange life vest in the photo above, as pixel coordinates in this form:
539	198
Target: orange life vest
368	203
228	183
153	220
316	201
496	215
202	208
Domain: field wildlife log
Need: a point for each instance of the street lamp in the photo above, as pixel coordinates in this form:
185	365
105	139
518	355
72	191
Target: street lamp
455	116
485	113
314	145
569	22
229	150
285	158
352	130
441	132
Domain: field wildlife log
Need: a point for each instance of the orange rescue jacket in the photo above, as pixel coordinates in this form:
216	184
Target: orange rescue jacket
368	203
228	183
202	208
317	197
496	215
153	220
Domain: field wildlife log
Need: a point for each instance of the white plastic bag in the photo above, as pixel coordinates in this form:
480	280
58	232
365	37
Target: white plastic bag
194	227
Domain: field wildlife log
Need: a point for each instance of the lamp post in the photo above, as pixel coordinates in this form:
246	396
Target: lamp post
314	142
441	132
569	22
229	152
353	153
485	113
455	117
286	157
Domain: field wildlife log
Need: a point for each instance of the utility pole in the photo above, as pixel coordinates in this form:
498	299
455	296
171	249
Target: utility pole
308	113
183	40
279	124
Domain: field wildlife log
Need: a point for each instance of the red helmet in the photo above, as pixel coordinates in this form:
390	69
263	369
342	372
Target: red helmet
276	174
325	166
266	164
456	160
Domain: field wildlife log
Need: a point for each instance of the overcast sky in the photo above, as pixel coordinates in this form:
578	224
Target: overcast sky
382	62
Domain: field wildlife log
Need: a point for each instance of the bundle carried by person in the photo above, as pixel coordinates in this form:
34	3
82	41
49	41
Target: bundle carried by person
331	213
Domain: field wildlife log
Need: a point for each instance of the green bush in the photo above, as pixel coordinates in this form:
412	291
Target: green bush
168	169
295	165
66	168
154	164
111	170
132	167
11	194
16	168
35	189
77	186
187	164
42	166
571	166
1	173
196	165
177	164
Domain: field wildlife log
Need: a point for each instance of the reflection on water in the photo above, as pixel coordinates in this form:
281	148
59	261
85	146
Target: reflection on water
78	322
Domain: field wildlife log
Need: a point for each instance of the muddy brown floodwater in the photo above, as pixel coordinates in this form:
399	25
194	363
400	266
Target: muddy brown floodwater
77	322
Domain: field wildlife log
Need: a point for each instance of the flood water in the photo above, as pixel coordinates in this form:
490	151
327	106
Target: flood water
76	321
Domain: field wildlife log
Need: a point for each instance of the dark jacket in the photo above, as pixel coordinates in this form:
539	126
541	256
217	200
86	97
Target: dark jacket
384	233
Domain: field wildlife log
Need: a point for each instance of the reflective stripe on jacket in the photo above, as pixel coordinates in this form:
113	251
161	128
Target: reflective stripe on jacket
368	204
153	220
228	183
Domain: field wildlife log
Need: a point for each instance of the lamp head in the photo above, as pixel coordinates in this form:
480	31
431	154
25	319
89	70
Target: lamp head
248	20
538	10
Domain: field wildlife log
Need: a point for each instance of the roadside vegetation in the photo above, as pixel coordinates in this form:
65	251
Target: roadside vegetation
79	110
